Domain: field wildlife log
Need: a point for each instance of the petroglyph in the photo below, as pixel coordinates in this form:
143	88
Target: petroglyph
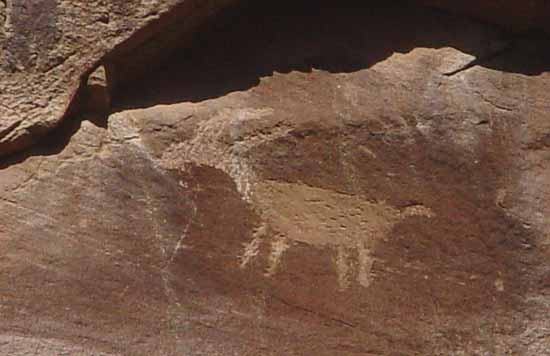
349	224
223	142
252	248
291	213
279	245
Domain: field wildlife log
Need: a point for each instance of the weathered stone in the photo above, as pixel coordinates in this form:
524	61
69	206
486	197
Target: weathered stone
97	95
49	47
336	181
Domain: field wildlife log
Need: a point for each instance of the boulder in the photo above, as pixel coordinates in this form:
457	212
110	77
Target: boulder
48	48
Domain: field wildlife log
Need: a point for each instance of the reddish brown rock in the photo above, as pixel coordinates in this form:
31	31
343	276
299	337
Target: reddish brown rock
49	47
318	181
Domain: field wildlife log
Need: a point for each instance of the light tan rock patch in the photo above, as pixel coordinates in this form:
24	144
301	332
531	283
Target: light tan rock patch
349	224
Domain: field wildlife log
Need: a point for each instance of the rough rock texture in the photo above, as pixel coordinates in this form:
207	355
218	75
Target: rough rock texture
305	180
48	47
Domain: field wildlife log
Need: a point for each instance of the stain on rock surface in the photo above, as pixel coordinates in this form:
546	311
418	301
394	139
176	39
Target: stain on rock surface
305	190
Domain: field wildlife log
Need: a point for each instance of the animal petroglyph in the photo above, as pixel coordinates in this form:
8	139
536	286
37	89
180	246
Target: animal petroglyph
349	224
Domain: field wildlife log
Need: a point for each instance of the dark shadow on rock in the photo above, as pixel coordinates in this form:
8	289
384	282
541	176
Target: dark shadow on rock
56	140
527	54
254	40
257	39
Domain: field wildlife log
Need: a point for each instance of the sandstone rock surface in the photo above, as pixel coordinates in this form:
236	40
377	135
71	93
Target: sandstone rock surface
298	180
49	47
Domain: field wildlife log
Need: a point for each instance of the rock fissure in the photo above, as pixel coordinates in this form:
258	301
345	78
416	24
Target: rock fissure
315	313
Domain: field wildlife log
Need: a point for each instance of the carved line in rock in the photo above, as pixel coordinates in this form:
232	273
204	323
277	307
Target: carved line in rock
291	213
348	224
343	249
243	175
345	266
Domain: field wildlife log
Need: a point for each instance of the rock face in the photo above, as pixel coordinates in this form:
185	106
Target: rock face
298	179
49	47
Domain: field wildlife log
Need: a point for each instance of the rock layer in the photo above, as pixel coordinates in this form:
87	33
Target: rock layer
49	47
317	182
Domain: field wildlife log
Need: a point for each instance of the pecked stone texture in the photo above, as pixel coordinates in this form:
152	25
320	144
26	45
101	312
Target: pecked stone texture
304	183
